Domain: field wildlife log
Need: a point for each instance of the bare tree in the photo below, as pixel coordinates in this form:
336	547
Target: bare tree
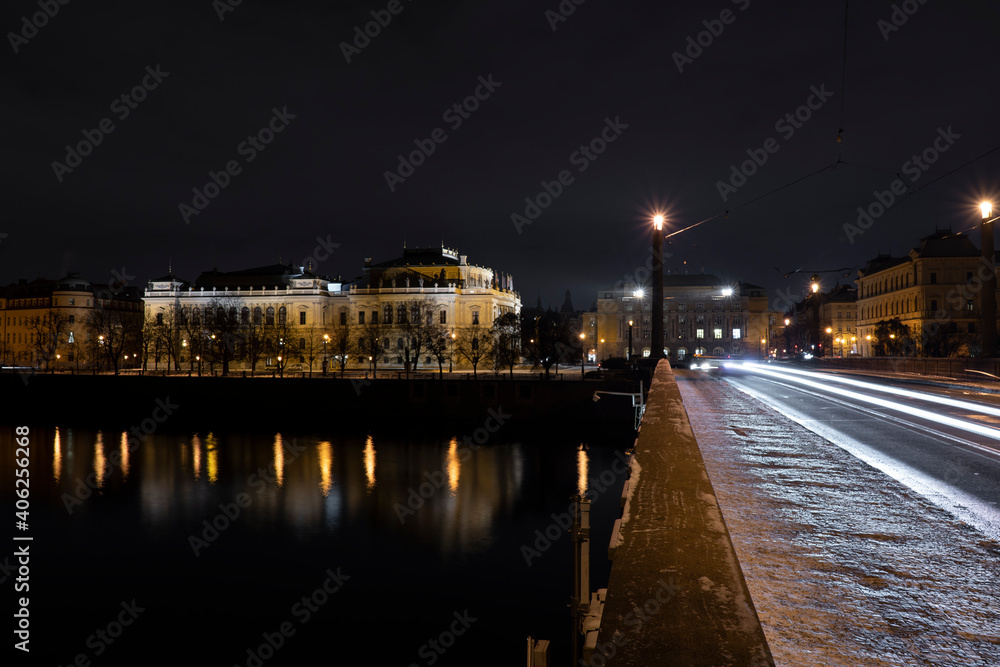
507	341
371	341
44	335
474	343
341	340
254	336
115	331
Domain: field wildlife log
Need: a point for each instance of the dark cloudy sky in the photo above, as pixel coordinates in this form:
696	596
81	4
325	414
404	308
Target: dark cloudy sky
323	175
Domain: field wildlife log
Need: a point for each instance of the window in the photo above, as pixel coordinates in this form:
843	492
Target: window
387	314
270	315
401	314
699	319
302	343
302	317
343	317
699	333
968	306
72	301
361	317
933	278
718	334
444	317
475	320
681	307
736	334
699	306
257	315
934	305
245	315
682	319
361	344
196	316
282	315
972	327
374	317
159	319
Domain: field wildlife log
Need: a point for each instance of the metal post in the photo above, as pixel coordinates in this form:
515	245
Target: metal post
657	351
988	299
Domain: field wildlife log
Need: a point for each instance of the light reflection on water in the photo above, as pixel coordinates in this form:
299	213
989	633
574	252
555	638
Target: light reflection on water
455	492
315	501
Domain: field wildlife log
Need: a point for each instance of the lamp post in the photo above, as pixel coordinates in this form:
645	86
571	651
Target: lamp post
583	353
657	343
326	340
629	340
451	354
829	331
988	300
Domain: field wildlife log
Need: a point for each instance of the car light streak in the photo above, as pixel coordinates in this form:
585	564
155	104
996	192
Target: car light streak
973	427
930	398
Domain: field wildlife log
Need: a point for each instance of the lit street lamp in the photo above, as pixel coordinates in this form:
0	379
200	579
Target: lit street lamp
988	306
583	353
630	340
657	342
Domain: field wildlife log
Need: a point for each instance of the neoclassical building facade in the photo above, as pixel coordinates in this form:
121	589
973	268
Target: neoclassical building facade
301	314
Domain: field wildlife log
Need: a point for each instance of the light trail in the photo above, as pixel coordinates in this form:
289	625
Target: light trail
797	377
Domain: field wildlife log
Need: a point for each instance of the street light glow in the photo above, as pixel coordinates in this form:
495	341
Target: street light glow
727	291
639	293
658	221
987	209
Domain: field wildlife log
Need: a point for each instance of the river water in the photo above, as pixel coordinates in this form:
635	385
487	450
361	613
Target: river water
276	548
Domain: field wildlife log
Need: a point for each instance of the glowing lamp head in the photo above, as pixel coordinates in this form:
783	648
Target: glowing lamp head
986	208
829	330
727	291
582	336
658	222
639	293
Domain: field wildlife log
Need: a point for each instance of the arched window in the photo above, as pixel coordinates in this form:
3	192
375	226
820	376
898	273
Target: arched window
270	315
444	317
196	316
282	315
415	313
387	314
401	314
209	315
257	315
232	314
475	343
245	315
399	343
385	343
361	344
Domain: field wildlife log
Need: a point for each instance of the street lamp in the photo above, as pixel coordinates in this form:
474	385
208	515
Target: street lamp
326	340
629	340
583	353
451	354
988	306
657	343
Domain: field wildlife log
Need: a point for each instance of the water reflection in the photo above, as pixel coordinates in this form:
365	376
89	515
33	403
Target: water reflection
310	485
100	463
123	450
56	456
196	456
325	453
370	463
211	448
279	459
454	468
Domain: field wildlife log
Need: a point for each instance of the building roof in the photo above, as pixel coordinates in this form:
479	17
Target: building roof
422	257
881	263
945	244
270	277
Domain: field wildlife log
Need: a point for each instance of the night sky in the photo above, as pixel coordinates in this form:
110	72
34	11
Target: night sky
683	115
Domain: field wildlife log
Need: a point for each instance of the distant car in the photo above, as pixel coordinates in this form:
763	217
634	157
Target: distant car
296	368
